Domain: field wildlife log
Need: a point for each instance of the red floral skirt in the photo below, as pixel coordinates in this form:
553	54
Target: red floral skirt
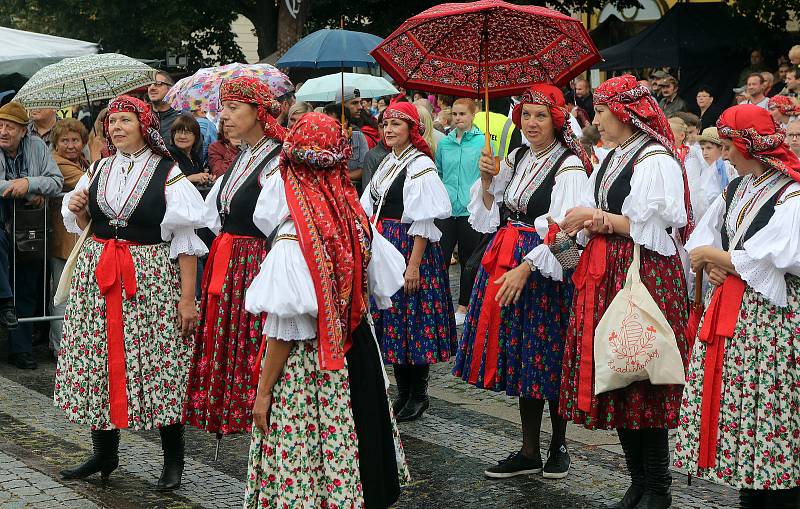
641	404
223	378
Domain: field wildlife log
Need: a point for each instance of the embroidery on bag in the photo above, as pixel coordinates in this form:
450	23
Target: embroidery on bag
632	342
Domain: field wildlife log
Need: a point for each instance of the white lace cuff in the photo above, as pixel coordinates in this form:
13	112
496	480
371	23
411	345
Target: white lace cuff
545	262
186	241
425	228
761	276
293	328
652	234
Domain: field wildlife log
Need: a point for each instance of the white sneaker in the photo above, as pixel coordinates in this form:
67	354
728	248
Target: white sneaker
460	318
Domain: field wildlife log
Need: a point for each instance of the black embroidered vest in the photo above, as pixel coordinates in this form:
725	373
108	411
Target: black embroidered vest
621	187
539	202
239	221
760	221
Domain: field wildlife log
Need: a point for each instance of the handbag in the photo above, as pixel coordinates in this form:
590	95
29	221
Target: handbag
633	340
562	245
65	281
31	231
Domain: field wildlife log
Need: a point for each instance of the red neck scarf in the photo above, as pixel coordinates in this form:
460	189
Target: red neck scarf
550	96
332	227
632	103
148	123
249	90
407	112
755	134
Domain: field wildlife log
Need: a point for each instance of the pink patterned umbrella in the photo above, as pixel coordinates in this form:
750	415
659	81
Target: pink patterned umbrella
450	47
200	91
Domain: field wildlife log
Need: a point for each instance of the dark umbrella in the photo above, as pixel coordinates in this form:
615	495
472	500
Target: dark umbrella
696	311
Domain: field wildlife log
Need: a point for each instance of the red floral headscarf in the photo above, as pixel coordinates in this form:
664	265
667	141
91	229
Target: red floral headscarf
786	105
333	230
632	103
550	96
755	134
148	123
250	90
407	112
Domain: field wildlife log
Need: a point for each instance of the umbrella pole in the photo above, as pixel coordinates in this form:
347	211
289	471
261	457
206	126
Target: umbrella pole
342	96
216	450
89	104
486	100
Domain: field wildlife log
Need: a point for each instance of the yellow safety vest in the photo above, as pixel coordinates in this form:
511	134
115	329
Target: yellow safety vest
500	128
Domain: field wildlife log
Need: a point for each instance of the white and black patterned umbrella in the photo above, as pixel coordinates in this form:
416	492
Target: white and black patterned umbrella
82	79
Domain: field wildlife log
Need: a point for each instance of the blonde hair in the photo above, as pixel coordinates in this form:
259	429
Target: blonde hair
426	119
678	125
467	103
424	103
299	107
795	50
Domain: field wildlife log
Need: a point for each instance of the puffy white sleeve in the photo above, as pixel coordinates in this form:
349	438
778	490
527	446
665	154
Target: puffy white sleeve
283	289
211	218
271	206
183	216
488	220
424	199
587	200
655	202
366	201
385	271
774	251
569	186
70	219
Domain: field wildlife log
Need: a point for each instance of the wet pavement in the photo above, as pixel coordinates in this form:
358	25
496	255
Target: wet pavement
464	431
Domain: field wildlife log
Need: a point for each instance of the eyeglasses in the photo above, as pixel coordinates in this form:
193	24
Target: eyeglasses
184	132
793	135
161	84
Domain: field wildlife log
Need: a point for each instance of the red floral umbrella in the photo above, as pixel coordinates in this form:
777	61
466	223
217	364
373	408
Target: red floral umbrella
467	49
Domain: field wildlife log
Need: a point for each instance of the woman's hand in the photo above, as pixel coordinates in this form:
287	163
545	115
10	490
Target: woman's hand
78	202
599	224
411	277
512	283
576	218
187	316
201	178
486	164
261	411
700	256
716	274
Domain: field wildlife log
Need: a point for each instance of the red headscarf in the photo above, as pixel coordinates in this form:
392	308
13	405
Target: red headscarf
785	104
632	103
148	123
332	227
407	112
755	134
250	90
550	96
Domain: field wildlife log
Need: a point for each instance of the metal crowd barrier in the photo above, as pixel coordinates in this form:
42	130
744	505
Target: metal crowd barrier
46	297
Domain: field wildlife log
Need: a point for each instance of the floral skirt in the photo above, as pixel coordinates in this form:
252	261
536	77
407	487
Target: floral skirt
758	440
531	333
224	374
641	404
328	446
156	357
419	328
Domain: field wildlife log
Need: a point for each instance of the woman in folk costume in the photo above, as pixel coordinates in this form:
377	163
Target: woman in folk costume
323	434
405	196
740	424
783	109
519	311
224	375
127	341
638	196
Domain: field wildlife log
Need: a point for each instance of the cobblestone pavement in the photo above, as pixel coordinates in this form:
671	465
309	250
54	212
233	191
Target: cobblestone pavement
464	431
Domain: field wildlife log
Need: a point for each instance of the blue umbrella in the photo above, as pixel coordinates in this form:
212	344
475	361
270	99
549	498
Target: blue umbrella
332	48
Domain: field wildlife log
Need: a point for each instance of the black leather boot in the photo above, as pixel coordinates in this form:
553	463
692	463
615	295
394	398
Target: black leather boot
658	479
104	458
418	400
752	499
172	443
631	441
779	499
401	377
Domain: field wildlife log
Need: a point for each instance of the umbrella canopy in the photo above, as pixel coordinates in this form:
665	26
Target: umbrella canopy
449	47
200	91
331	48
88	78
326	88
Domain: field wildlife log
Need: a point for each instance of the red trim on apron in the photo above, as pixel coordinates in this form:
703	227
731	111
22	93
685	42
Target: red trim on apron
719	324
589	274
497	260
115	271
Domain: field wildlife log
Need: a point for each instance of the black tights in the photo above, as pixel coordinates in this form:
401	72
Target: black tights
530	412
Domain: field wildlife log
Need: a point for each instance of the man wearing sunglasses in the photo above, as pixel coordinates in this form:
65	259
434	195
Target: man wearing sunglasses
155	93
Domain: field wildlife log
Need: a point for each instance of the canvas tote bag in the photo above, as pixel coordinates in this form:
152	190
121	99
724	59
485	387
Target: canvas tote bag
634	341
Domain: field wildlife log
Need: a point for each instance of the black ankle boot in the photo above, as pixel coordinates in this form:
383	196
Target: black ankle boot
418	400
632	445
752	499
172	443
104	458
658	479
778	499
401	376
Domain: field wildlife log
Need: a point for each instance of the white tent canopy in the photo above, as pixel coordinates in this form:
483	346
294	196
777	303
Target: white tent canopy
26	52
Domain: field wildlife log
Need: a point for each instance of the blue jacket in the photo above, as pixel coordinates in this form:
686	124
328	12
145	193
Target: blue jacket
458	166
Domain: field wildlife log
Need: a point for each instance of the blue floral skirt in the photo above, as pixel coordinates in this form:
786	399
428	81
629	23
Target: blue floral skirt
420	328
531	335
